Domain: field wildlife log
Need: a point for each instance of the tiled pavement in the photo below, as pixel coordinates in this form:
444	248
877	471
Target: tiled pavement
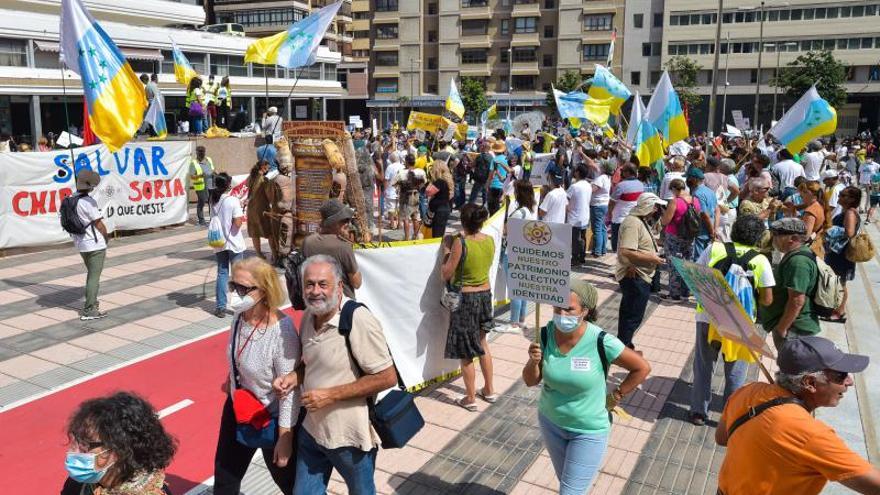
155	285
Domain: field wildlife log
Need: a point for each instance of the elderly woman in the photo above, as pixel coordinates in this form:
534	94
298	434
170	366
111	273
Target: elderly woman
117	446
676	245
573	411
758	202
263	346
472	320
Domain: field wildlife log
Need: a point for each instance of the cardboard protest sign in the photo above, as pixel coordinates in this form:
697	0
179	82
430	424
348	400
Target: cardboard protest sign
538	261
424	121
721	304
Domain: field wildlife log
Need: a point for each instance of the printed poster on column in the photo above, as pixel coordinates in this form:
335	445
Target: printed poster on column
143	185
538	261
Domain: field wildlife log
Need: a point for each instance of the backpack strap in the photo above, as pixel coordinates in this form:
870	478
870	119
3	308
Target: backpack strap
757	410
730	249
748	257
346	320
600	346
808	254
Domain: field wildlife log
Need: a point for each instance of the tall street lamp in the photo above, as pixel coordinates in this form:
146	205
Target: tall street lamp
726	78
758	78
412	82
714	94
778	47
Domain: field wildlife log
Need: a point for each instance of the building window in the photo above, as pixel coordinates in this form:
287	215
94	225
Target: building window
474	56
658	20
635	78
646	50
330	72
262	17
525	25
386	85
548	31
474	27
432	36
432	9
549	4
474	3
524	83
386	59
548	60
386	6
525	54
598	22
432	63
432	88
386	31
598	51
655	77
505	56
505	26
229	65
638	20
753	76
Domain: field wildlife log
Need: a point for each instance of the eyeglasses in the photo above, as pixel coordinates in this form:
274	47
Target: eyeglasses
838	377
241	290
87	446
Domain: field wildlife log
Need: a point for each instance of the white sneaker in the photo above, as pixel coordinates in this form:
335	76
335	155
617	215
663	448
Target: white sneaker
507	328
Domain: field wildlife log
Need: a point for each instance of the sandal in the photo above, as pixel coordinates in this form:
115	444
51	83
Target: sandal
472	407
491	399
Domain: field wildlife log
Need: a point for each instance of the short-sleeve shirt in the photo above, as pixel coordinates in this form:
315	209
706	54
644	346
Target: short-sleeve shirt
227	209
579	204
759	266
867	171
500	174
798	273
788	171
635	235
573	393
89	213
602	194
782	451
625	195
681	207
391	172
554	205
708	202
327	363
339	249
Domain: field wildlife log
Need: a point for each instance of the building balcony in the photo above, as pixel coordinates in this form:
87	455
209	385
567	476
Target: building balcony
360	25
525	68
476	13
526	39
385	71
391	16
475	41
475	70
360	44
386	44
526	9
360	5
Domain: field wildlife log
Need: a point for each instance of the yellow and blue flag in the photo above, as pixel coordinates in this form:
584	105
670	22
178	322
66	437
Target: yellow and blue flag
156	118
115	96
490	113
183	70
579	105
648	146
453	101
297	46
665	113
605	86
806	120
636	114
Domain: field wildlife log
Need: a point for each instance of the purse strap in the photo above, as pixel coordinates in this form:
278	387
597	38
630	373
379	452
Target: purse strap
459	270
235	325
757	410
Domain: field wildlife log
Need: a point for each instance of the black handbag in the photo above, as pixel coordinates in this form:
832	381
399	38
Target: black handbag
396	418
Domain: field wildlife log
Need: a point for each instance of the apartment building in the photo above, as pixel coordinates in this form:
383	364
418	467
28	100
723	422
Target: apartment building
518	48
265	18
849	28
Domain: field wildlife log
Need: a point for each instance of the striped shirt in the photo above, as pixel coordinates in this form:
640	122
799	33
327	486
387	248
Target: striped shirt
625	195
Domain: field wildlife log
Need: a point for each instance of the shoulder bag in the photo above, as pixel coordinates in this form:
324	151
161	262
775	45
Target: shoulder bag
255	426
451	297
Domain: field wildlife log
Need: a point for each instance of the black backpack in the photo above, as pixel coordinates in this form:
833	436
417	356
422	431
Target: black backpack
70	220
731	259
482	167
689	228
293	278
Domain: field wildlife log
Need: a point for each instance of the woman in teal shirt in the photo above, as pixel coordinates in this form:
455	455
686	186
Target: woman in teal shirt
574	404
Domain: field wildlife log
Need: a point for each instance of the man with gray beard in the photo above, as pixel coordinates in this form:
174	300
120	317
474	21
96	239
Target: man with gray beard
336	381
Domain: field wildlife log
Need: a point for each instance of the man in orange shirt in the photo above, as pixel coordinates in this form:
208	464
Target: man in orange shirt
774	444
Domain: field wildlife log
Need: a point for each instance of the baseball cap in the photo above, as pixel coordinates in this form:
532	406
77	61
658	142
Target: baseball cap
788	226
812	353
829	174
333	212
695	173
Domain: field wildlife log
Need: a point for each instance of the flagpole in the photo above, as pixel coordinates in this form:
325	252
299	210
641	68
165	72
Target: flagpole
289	93
67	120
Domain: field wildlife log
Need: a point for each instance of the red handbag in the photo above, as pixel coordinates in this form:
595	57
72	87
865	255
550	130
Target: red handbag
248	409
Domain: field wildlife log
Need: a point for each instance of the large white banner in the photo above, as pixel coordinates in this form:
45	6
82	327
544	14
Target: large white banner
142	186
402	287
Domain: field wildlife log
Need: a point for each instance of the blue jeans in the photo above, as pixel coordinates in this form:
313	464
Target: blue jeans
576	457
701	243
597	222
615	230
459	199
478	189
195	125
315	463
517	306
705	356
423	205
225	259
633	303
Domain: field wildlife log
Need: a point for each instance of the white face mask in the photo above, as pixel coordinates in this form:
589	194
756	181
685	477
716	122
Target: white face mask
243	304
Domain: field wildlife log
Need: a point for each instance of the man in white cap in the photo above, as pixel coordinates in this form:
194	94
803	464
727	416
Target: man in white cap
271	125
833	186
637	260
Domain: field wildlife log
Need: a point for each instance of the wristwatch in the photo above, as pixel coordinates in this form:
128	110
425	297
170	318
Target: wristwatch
618	395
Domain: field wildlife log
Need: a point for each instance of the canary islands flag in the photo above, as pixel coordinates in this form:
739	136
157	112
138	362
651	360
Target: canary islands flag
579	105
156	118
490	113
665	113
183	71
648	146
297	46
606	86
453	101
114	95
806	120
636	115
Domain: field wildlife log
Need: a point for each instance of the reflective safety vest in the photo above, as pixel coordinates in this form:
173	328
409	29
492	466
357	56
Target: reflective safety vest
199	184
224	93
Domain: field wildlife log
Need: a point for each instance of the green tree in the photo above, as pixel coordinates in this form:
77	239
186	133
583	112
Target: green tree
473	96
568	81
683	71
819	68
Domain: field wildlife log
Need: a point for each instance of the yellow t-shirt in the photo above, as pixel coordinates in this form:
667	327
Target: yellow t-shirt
782	451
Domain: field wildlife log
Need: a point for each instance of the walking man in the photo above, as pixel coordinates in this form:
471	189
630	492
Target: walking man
201	175
90	238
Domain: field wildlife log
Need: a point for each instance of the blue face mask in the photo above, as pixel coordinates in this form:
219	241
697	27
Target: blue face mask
81	467
566	323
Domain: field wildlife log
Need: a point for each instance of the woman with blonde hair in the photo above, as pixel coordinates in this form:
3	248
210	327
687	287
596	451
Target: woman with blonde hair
812	209
263	346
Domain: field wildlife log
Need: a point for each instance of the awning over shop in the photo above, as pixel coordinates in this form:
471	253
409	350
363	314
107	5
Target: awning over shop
131	53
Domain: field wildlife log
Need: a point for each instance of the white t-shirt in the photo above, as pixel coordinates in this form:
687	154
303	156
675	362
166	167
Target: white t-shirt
391	172
665	193
228	209
554	205
813	164
835	195
578	214
869	168
89	213
602	195
522	213
515	175
788	171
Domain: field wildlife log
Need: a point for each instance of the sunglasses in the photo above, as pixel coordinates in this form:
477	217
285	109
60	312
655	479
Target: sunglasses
241	290
838	377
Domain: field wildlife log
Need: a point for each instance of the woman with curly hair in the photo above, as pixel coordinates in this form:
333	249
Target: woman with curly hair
118	447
